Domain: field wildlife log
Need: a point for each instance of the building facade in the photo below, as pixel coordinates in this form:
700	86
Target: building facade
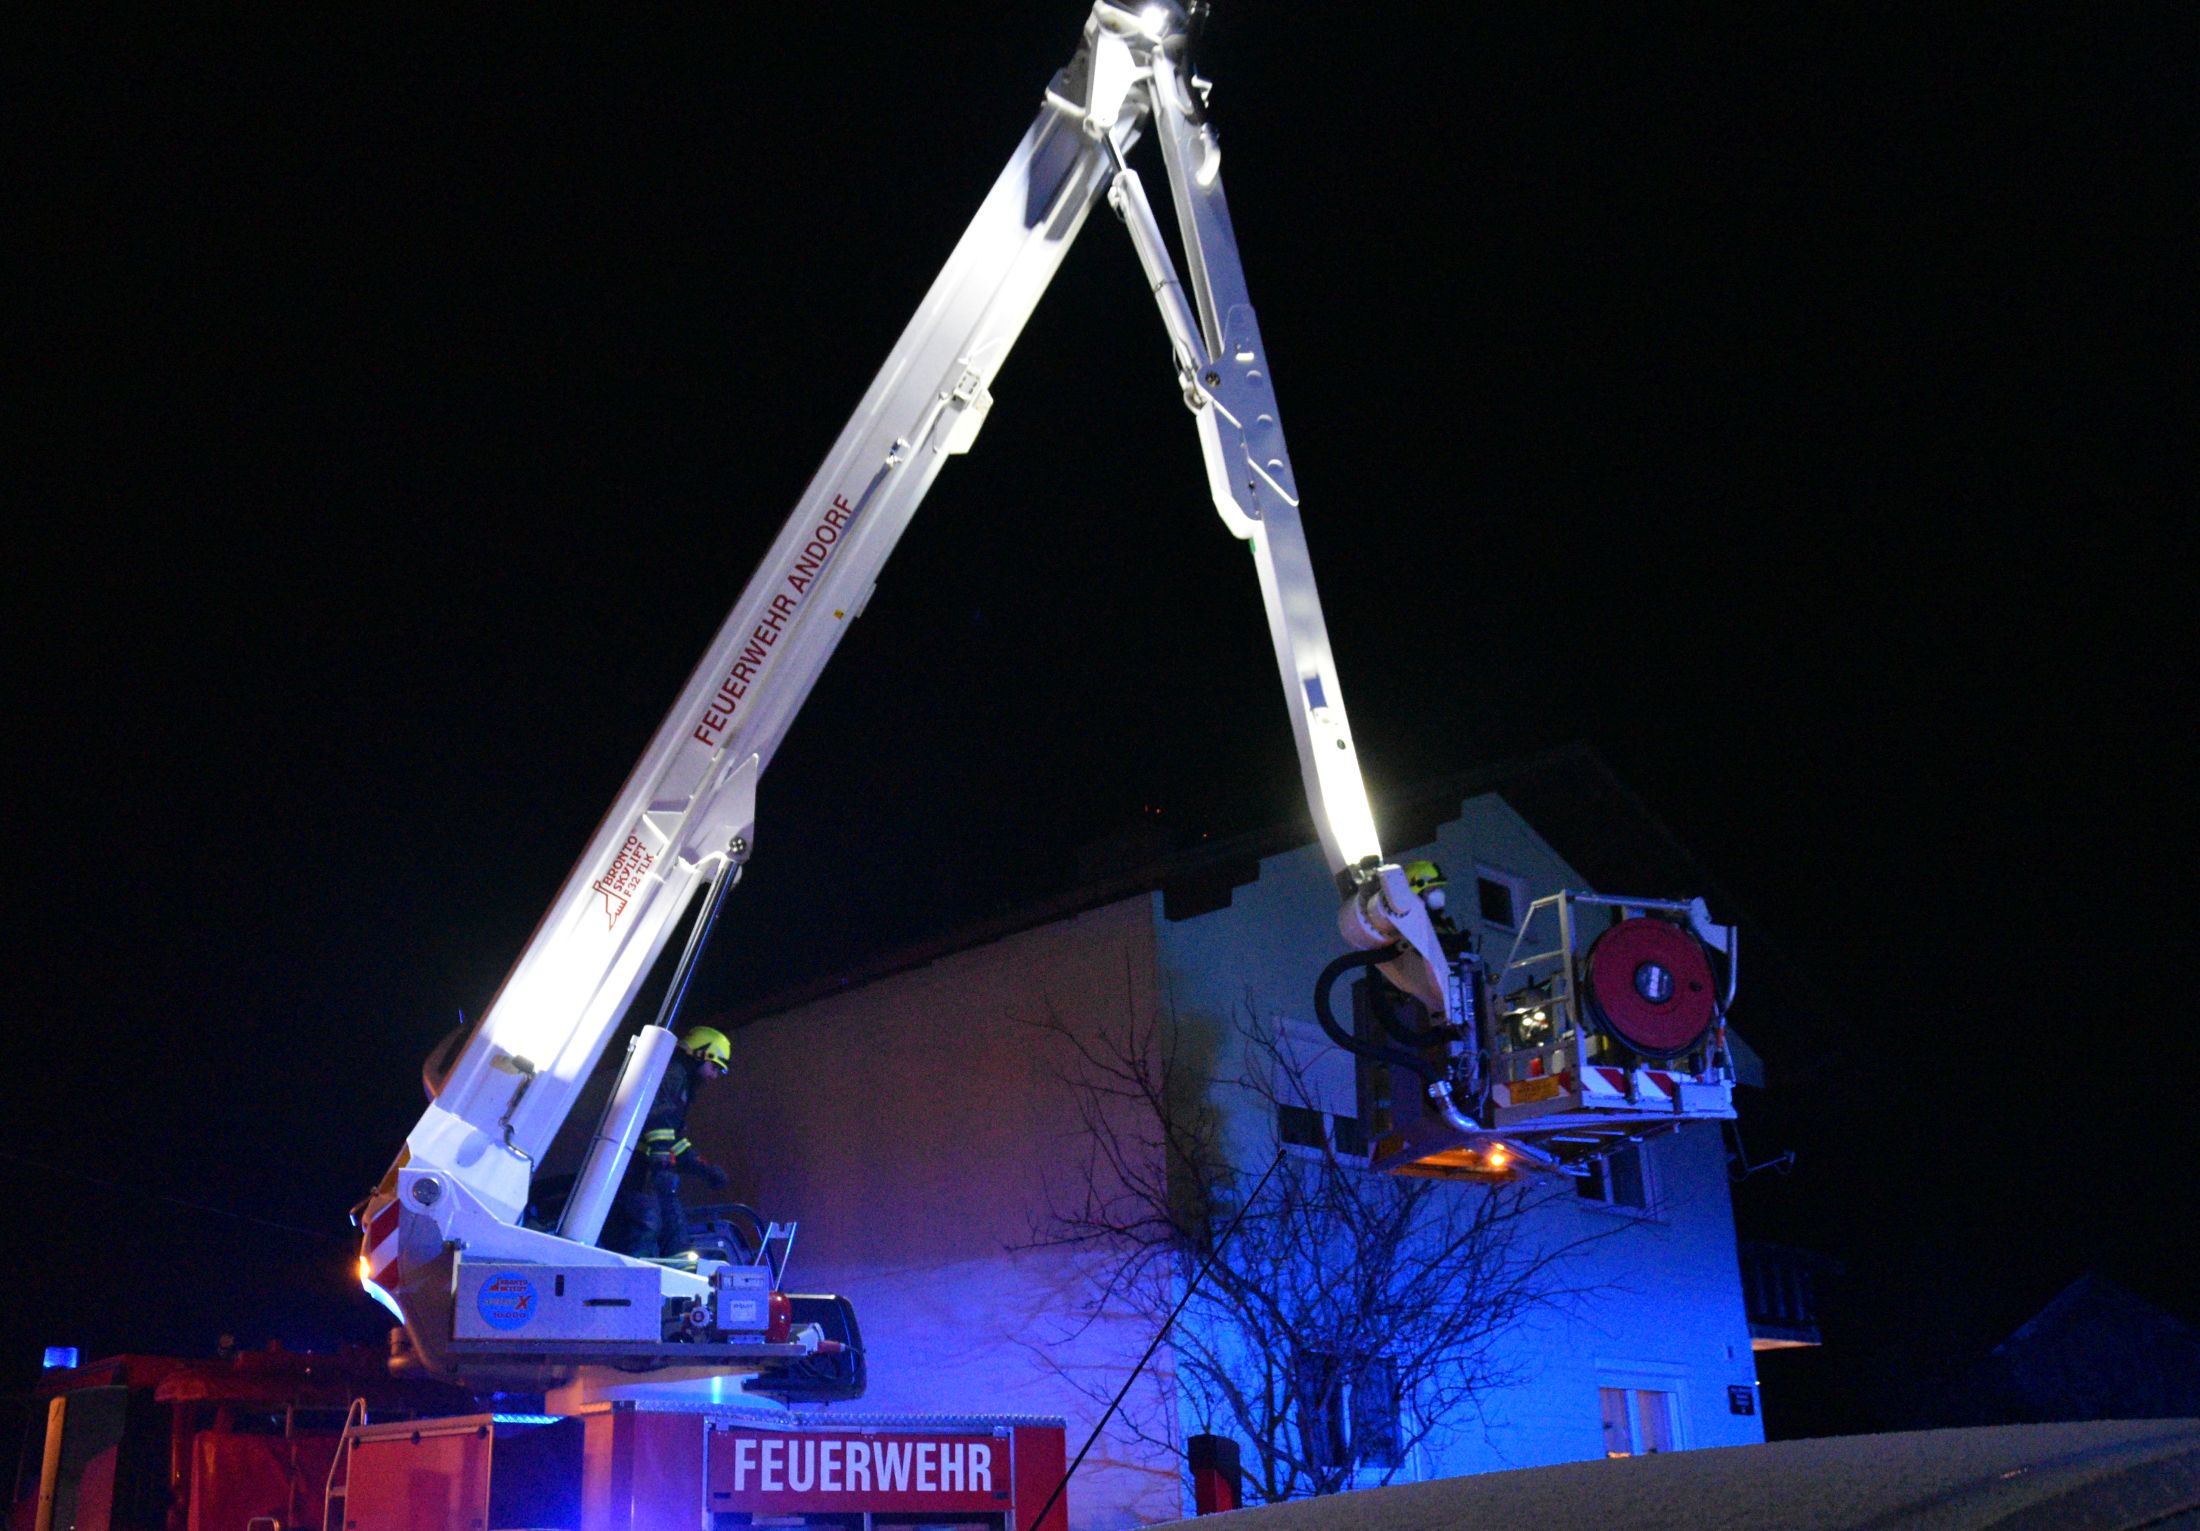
922	1127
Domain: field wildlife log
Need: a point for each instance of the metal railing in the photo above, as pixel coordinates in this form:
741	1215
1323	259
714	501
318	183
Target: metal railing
1779	1293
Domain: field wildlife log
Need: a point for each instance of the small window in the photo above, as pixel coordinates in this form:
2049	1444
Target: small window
1619	1430
1374	1407
1304	1127
1349	1136
1617	1179
1299	1126
1497	903
1349	1411
1623	1172
1637	1421
1319	1385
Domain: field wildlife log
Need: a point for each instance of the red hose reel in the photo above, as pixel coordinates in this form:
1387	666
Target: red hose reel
1648	983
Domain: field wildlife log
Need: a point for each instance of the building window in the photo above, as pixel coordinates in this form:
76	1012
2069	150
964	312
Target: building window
1617	1179
1637	1421
1349	1412
1374	1407
1501	899
1349	1136
1304	1127
1496	899
1299	1126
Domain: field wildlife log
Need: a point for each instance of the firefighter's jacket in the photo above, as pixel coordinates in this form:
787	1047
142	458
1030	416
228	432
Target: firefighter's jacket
664	1144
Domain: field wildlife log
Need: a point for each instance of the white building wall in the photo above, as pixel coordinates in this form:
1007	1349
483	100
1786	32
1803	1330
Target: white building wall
915	1126
1259	958
1661	1309
1662	1303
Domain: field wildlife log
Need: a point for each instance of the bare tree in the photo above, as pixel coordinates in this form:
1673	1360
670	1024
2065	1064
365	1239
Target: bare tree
1349	1318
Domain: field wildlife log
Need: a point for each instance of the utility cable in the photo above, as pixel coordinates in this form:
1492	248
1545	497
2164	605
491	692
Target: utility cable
1159	1335
174	1201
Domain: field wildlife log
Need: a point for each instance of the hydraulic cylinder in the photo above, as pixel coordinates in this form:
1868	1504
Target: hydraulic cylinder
647	1057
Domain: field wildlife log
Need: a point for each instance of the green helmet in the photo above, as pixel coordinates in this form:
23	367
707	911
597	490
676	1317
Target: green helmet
708	1044
1424	875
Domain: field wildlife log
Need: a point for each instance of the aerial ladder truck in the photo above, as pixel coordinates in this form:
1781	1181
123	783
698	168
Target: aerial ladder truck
1528	1066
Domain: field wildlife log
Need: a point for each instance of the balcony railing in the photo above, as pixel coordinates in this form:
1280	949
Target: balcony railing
1778	1291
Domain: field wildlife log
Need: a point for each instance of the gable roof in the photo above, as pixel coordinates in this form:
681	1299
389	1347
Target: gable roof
2097	1350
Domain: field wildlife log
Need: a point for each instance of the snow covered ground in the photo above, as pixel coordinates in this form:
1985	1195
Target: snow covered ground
2120	1474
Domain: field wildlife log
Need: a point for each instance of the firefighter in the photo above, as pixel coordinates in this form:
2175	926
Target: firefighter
1427	879
648	1219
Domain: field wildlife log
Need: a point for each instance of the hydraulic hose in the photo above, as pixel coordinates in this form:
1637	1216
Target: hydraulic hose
1439	1088
1379	1004
1439	1094
1375	1052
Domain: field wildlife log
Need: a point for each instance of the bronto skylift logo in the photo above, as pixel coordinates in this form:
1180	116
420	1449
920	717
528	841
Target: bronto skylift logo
623	879
506	1302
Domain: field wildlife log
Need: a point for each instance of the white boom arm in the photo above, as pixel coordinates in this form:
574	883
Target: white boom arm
687	812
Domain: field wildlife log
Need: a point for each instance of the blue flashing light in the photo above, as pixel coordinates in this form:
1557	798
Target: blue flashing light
525	1419
61	1358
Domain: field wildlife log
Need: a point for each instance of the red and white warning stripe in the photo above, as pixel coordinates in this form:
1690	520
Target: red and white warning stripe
378	1266
1608	1086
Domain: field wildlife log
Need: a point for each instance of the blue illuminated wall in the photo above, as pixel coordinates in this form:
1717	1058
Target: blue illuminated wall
1666	1314
918	1127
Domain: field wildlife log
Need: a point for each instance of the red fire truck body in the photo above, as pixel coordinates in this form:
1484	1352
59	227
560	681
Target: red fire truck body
259	1442
164	1443
628	1467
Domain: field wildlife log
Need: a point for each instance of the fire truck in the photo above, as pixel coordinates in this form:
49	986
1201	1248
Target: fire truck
687	1390
278	1440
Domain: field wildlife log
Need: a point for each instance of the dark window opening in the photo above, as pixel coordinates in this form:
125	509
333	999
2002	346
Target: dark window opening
1351	1136
1375	1414
1628	1189
1320	1388
1496	899
1298	1126
1304	1127
1349	1411
1616	1179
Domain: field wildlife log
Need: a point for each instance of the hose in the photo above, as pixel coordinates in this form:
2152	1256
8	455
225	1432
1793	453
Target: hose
1374	1052
1439	1088
1379	1004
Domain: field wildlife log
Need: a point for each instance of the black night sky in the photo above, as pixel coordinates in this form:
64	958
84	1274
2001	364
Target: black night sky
1785	402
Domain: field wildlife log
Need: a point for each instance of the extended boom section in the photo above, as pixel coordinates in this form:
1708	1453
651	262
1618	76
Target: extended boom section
688	809
495	1294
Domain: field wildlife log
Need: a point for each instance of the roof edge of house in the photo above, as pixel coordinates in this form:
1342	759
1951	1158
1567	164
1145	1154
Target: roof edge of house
1198	872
